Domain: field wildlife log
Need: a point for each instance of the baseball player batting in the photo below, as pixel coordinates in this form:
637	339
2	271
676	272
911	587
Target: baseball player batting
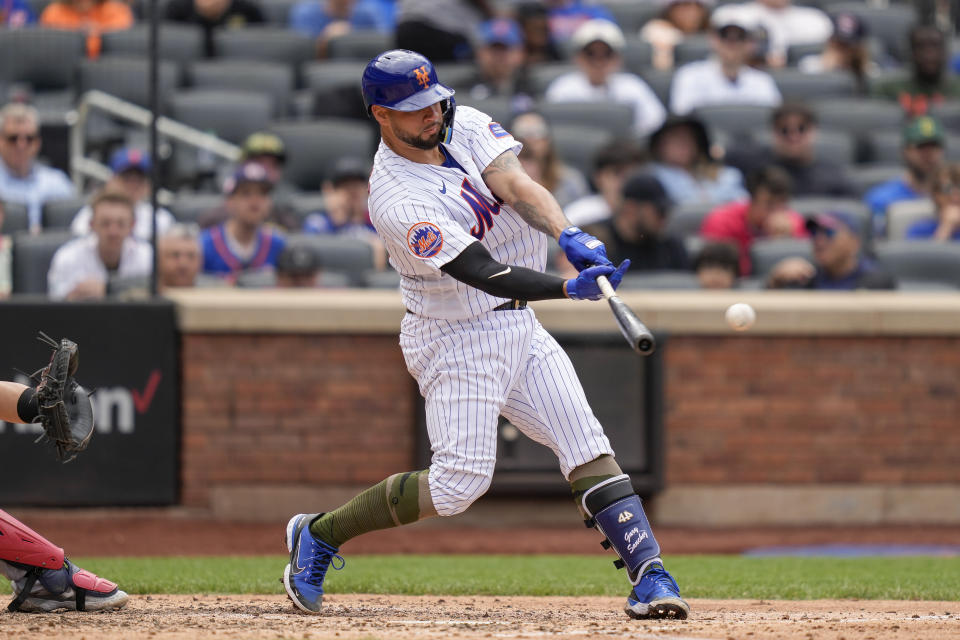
468	229
43	579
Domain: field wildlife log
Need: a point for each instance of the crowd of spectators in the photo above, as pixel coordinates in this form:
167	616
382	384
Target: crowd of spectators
677	187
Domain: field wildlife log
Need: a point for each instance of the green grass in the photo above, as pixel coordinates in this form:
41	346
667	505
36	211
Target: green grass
923	578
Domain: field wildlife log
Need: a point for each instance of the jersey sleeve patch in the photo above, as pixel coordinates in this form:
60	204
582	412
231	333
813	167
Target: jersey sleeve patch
497	130
424	240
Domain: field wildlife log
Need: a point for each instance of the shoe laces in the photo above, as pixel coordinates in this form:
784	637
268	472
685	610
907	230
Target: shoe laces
659	576
323	557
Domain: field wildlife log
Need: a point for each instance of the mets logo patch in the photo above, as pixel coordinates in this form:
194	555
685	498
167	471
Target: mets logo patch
497	130
425	239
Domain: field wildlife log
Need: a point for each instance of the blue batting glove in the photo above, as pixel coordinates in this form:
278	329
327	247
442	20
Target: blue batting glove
585	287
582	249
617	275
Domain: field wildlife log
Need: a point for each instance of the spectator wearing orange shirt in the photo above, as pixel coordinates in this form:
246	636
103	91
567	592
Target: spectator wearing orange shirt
94	17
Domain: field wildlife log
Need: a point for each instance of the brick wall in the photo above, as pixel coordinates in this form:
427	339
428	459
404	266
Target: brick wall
796	410
293	410
335	410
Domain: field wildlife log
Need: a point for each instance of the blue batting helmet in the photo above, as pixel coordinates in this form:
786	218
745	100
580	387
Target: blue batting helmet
405	80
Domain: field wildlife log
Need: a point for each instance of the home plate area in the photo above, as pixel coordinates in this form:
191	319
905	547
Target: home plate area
367	617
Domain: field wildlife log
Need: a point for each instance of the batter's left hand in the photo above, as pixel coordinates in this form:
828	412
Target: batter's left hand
582	249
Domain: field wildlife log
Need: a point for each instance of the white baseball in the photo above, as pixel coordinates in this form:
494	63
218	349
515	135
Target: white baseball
740	316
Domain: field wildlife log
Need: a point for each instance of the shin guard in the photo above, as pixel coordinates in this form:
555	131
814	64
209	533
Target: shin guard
616	511
19	543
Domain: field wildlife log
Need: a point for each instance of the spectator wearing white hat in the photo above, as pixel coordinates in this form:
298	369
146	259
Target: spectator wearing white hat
726	77
678	20
598	44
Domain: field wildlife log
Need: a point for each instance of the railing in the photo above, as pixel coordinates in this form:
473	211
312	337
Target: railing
81	166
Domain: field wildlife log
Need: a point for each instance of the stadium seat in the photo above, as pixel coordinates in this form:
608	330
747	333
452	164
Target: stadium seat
499	108
797	52
266	44
327	75
15	218
637	54
858	115
577	145
228	114
45	59
188	207
277	12
631	15
126	78
766	253
180	43
338	253
797	85
691	49
388	279
306	202
909	284
456	74
921	260
685	220
660	280
542	75
31	259
313	147
902	215
948	113
615	118
659	82
359	45
735	119
270	78
59	214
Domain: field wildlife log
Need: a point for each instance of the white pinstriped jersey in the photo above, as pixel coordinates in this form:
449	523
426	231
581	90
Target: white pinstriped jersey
427	214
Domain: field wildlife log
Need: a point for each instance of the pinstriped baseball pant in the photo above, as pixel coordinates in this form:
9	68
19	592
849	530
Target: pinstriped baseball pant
471	371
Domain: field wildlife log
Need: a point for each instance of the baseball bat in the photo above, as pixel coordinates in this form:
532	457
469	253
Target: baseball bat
636	333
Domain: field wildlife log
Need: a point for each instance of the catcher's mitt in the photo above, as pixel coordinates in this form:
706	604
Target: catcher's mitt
65	409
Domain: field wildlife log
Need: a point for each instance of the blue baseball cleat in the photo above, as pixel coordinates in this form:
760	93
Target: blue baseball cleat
656	596
310	558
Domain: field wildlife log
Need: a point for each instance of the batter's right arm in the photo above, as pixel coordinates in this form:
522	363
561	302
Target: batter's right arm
537	206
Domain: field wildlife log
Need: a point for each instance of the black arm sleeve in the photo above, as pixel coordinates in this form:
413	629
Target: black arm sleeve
477	268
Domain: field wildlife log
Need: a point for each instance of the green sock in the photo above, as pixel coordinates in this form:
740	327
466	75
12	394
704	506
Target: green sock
400	499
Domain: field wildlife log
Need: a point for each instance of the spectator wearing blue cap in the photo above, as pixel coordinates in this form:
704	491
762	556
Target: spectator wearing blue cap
131	177
327	19
837	261
244	243
500	70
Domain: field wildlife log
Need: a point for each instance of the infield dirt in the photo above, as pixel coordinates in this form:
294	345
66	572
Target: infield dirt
369	617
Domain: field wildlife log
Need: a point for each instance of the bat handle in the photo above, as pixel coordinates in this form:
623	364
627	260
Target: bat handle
605	287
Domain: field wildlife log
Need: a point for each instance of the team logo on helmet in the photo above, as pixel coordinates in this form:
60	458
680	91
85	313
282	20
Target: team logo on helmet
423	76
424	239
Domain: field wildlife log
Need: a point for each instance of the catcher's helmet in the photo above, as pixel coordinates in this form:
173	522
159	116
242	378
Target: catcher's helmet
404	80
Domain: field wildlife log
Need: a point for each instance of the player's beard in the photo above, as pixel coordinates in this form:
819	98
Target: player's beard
421	142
